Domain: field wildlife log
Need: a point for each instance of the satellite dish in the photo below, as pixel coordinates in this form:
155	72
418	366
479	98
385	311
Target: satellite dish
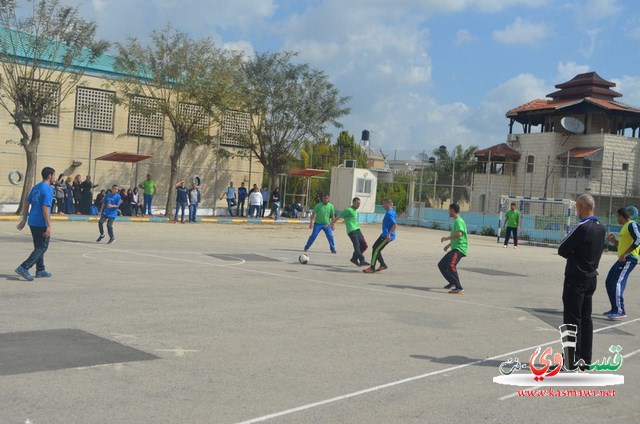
196	180
573	125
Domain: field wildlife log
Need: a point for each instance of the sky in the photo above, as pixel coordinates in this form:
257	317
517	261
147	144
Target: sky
420	73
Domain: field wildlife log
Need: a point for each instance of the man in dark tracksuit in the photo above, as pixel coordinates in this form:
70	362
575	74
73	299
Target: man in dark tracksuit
583	249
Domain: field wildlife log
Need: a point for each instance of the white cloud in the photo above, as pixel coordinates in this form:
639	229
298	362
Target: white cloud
463	36
629	87
488	122
592	36
634	34
568	70
244	47
594	10
522	32
99	5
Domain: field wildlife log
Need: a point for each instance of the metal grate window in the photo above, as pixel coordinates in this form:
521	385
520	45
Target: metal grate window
145	119
194	114
235	127
41	91
94	109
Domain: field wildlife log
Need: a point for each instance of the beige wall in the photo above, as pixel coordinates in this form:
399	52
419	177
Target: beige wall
545	147
63	144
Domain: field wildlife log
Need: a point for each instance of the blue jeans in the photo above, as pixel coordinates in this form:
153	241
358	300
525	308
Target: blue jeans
40	245
230	204
146	208
180	206
514	231
109	220
327	231
254	209
193	208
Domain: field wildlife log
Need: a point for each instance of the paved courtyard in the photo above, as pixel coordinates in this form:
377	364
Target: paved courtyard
219	323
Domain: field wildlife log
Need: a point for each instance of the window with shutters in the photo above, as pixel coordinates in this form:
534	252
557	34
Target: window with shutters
145	119
44	92
95	109
235	127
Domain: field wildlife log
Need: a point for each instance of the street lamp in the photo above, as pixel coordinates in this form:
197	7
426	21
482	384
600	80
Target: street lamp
91	105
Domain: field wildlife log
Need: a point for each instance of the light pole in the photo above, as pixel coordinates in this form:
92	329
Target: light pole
135	183
90	137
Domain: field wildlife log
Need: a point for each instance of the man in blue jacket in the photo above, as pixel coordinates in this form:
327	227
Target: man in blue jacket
39	219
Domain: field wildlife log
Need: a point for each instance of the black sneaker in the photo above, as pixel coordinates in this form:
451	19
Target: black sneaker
100	238
456	291
111	240
354	261
448	286
365	263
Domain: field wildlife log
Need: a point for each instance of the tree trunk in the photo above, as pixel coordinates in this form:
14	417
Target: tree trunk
178	147
31	151
273	179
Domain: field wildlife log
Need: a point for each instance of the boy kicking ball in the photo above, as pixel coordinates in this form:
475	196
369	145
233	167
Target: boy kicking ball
458	245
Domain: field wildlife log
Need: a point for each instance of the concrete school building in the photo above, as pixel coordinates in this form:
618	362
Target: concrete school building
88	125
579	139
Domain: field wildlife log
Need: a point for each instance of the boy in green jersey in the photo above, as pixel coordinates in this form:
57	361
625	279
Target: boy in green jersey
322	220
350	216
512	222
458	245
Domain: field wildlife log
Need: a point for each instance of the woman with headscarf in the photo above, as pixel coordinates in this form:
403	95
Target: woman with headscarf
69	209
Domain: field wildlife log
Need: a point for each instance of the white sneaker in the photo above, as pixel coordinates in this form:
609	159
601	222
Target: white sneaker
504	246
515	247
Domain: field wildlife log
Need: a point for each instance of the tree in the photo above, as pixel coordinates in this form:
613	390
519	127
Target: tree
190	82
396	191
288	104
43	56
459	166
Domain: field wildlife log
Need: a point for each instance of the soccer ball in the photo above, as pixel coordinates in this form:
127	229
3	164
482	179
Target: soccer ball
303	259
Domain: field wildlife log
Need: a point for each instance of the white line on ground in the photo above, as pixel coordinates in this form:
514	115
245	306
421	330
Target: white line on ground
408	380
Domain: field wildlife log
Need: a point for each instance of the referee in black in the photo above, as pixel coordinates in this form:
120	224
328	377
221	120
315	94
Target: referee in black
582	249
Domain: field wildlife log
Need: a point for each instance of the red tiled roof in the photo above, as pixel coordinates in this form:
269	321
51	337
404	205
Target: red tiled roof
580	152
307	172
123	157
501	150
541	104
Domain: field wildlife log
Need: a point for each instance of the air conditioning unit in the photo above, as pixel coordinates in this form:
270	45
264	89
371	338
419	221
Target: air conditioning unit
350	163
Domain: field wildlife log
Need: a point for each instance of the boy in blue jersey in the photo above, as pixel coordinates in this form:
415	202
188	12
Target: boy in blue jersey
39	219
109	212
389	224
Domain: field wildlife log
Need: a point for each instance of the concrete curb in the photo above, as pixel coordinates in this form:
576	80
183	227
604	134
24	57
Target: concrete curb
207	220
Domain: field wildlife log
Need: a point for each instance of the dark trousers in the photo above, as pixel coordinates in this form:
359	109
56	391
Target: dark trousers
576	298
617	282
514	231
40	245
263	209
359	245
448	267
376	252
109	220
240	208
